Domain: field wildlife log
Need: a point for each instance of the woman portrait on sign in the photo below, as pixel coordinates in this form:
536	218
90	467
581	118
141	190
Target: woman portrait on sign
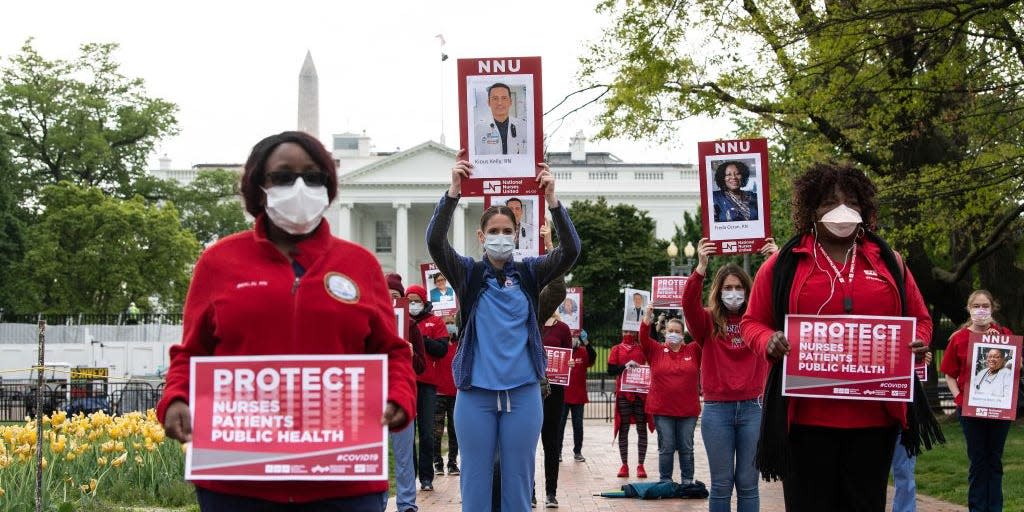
731	202
994	382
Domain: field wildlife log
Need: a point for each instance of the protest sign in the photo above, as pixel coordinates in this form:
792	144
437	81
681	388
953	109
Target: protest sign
571	309
734	194
558	365
633	308
636	379
667	291
995	376
439	290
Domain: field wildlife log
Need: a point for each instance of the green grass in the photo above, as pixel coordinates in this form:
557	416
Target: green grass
942	472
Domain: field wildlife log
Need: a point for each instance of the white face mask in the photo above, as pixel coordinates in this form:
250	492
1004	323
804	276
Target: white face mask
298	208
499	247
415	308
981	316
673	337
733	299
841	221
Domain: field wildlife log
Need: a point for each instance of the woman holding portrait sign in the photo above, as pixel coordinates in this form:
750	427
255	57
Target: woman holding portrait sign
732	378
833	454
985	437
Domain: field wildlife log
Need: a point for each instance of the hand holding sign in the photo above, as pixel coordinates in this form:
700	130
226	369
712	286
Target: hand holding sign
546	184
462	170
394	416
178	422
778	346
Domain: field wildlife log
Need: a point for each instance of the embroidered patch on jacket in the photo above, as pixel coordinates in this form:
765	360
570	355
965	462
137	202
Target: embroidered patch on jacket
341	287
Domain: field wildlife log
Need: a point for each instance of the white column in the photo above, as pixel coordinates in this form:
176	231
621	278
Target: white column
402	240
345	221
459	229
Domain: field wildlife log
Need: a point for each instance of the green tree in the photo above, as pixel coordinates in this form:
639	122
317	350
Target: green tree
92	253
80	121
925	96
620	250
12	226
210	206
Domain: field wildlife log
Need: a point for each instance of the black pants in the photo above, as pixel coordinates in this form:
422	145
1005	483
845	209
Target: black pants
577	425
840	470
444	419
210	501
426	396
551	437
985	442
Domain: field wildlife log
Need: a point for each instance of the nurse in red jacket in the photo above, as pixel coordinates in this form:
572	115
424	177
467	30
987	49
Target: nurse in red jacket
841	449
629	407
435	342
674	398
985	437
583	357
306	292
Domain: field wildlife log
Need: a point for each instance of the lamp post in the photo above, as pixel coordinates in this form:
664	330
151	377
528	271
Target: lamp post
689	251
672	250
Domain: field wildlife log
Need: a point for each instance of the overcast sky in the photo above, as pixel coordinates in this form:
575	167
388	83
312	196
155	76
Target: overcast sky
232	67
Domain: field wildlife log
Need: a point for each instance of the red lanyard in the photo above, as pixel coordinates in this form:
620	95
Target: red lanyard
847	290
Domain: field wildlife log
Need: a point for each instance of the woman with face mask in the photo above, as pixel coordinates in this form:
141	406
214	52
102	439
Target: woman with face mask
985	437
673	398
836	453
500	360
435	344
305	292
732	378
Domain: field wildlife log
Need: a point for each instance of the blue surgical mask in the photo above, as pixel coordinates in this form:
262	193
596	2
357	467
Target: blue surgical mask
673	337
499	247
453	330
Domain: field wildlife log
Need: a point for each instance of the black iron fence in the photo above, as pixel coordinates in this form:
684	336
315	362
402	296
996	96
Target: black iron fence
18	397
91	319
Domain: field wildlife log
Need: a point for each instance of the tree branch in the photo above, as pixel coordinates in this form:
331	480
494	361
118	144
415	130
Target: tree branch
979	253
836	136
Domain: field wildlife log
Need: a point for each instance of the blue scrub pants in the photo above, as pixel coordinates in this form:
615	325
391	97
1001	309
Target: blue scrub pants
487	421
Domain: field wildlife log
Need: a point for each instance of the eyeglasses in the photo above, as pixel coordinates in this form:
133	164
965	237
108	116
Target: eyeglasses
312	178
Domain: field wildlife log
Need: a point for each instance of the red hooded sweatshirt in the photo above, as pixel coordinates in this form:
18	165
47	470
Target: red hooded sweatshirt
244	299
730	370
674	377
873	292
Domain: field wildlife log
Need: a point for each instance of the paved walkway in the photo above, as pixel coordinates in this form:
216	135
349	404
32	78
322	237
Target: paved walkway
579	481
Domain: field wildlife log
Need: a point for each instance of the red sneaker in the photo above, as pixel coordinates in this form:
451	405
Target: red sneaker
640	471
624	471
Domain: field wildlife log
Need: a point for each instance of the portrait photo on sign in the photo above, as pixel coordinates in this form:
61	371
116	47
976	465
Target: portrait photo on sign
634	308
992	379
569	310
527	212
440	292
736	204
500	124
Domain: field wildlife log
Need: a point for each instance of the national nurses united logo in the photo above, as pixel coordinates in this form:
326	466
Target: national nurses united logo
341	287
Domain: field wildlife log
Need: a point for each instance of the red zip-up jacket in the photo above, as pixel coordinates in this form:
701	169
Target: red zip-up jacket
621	354
433	327
674	377
730	370
874	292
957	362
576	391
443	370
244	299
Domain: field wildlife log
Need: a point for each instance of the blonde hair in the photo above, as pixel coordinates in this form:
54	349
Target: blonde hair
970	299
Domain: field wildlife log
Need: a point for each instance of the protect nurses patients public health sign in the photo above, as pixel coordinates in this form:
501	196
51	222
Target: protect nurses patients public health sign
849	357
298	417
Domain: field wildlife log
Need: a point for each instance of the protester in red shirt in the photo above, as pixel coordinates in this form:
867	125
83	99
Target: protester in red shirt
673	399
435	341
840	449
583	357
444	412
629	407
985	437
732	380
288	286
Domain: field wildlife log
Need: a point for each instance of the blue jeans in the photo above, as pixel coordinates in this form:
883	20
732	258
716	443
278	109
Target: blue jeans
402	443
210	501
905	498
675	434
985	442
730	431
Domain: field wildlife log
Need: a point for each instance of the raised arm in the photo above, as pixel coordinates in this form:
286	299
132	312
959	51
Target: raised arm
451	264
563	257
